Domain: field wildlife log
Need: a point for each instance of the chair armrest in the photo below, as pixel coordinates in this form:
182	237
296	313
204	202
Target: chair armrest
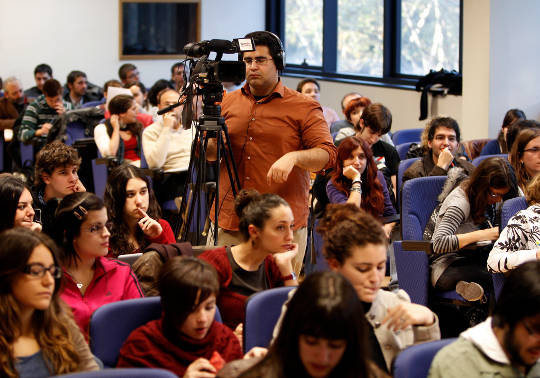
418	245
108	161
391	219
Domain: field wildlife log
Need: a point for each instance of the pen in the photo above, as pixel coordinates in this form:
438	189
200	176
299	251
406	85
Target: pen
489	223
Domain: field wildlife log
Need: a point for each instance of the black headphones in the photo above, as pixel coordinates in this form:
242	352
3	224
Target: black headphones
277	51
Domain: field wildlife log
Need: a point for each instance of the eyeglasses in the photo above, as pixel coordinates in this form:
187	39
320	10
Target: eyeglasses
98	228
38	270
533	150
530	330
260	60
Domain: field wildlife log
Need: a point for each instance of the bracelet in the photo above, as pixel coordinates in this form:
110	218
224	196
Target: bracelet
356	189
357	182
291	276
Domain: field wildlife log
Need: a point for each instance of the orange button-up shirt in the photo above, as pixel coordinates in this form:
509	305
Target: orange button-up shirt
263	131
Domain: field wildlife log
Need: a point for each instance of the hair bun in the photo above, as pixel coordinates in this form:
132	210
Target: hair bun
244	198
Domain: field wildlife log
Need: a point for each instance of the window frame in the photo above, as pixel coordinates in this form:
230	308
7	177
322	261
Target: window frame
391	77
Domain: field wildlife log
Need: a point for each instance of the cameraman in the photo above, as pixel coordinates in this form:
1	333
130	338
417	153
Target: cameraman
277	135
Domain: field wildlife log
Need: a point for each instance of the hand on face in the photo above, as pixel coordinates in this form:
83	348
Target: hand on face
445	158
280	170
351	173
286	257
59	107
115	121
407	314
170	120
150	227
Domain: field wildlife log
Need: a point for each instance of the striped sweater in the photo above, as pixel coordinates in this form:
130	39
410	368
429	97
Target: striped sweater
36	114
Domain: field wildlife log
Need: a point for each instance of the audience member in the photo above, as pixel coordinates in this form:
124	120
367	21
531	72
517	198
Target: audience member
515	128
120	135
443	137
12	104
134	212
153	93
91	280
355	179
77	85
16	200
264	258
525	156
323	334
338	125
519	241
186	337
353	112
38	337
376	120
42	73
274	152
507	344
177	76
128	74
498	146
167	145
311	89
56	174
41	114
462	223
139	94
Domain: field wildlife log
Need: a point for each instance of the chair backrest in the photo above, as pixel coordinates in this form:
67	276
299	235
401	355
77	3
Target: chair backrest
498	283
408	135
415	361
27	154
99	173
481	158
112	323
418	200
129	258
510	208
404	164
402	150
262	313
123	373
92	103
75	131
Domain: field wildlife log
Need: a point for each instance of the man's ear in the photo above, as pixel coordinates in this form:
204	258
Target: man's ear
46	178
429	143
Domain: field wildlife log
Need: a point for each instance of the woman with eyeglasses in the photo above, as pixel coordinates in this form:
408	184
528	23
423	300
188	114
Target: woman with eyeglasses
525	156
16	202
464	223
38	337
91	280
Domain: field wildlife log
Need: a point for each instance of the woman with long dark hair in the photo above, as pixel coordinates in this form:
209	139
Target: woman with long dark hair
91	280
466	219
38	337
134	212
120	135
499	146
17	204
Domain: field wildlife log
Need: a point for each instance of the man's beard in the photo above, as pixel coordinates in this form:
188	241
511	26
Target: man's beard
512	348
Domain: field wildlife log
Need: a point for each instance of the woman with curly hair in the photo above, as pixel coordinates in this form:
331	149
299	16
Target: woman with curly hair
91	280
356	179
38	337
134	212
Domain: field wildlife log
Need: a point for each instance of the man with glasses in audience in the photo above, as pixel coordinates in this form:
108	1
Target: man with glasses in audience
277	135
504	345
443	142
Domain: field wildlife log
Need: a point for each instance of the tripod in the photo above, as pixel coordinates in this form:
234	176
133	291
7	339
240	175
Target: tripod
211	125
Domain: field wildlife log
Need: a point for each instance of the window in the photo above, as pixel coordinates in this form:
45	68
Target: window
383	41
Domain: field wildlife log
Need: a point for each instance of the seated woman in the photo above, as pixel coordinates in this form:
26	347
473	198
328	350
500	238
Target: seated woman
519	241
120	135
323	334
38	336
16	200
525	156
466	216
186	337
353	111
262	261
91	280
356	179
134	212
311	89
498	146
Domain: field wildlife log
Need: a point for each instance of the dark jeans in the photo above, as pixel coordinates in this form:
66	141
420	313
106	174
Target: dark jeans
470	267
170	187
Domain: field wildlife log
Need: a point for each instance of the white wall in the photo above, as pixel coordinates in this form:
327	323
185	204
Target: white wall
83	35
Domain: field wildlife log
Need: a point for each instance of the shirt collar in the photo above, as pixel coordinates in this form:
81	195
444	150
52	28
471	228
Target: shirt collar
483	337
279	90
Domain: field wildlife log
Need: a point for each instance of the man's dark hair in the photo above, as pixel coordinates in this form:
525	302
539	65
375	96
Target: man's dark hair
52	156
377	118
74	75
158	87
111	83
175	66
272	41
304	82
515	128
52	88
43	68
520	296
447	122
124	69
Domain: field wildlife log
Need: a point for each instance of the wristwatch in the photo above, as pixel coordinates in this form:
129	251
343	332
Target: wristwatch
291	276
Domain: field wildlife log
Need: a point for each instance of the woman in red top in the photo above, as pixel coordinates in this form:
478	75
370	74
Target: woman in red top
186	340
262	261
134	212
91	280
